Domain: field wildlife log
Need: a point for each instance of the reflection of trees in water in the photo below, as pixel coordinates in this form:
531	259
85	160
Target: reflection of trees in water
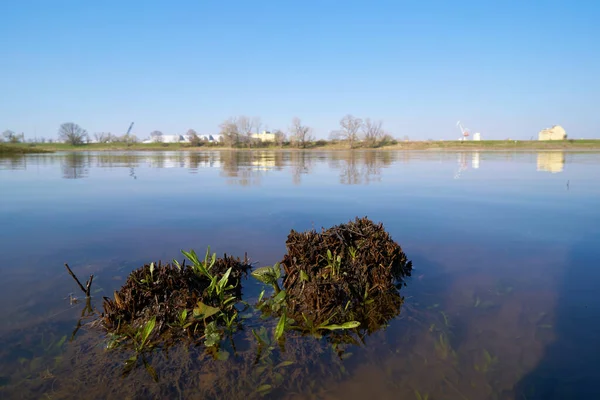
243	168
235	167
13	162
246	168
301	163
75	165
109	161
361	167
202	160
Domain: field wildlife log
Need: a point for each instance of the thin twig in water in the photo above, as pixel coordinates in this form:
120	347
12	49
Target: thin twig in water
88	284
76	280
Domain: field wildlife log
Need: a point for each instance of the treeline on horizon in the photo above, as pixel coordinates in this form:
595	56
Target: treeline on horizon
236	132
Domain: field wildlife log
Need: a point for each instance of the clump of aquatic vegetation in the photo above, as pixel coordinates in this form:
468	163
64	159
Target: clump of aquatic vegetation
342	280
342	277
178	299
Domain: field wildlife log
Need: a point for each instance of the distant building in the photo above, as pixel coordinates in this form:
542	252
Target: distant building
210	138
557	132
264	136
477	136
167	139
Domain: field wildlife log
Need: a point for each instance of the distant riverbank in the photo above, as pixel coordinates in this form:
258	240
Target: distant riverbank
21	149
586	144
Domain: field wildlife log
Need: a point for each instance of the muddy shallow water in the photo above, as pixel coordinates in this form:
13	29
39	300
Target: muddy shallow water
501	303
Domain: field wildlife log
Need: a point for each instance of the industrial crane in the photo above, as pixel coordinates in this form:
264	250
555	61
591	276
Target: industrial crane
129	130
465	132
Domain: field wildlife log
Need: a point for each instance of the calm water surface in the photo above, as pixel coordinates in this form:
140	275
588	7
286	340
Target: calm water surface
502	303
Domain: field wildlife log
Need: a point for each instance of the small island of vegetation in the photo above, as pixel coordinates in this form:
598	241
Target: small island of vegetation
337	284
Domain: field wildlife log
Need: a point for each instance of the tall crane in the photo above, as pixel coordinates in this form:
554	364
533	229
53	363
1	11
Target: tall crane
129	130
465	132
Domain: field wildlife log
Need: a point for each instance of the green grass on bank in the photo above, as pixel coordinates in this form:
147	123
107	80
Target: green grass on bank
509	144
21	149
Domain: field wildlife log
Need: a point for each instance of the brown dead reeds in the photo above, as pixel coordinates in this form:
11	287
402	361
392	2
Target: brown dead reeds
164	292
339	274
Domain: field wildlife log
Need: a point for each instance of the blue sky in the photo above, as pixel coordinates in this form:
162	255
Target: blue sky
506	69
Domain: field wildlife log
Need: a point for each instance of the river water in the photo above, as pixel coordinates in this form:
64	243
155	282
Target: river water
502	302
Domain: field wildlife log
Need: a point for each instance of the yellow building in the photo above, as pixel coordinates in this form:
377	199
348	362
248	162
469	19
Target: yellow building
557	132
551	161
264	136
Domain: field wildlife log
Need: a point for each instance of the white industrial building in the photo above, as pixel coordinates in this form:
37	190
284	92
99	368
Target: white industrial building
182	139
557	132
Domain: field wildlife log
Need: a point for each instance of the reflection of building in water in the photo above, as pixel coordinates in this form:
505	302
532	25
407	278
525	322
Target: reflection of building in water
191	160
263	162
551	161
475	160
462	165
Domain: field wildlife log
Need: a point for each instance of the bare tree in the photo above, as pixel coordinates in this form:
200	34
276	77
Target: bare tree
300	134
129	139
350	126
245	128
156	136
257	124
72	133
279	137
10	136
230	133
193	138
372	131
191	134
102	137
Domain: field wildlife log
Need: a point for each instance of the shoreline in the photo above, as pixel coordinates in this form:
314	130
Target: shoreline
580	145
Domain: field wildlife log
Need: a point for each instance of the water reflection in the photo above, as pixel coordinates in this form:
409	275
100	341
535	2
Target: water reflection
75	165
13	162
247	168
551	161
502	303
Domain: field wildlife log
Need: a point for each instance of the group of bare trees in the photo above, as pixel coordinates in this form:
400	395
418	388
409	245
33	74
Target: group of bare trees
11	137
353	130
240	131
68	132
156	136
237	131
300	134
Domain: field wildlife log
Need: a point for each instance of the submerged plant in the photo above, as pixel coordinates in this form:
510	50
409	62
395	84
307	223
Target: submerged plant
488	361
315	328
269	276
